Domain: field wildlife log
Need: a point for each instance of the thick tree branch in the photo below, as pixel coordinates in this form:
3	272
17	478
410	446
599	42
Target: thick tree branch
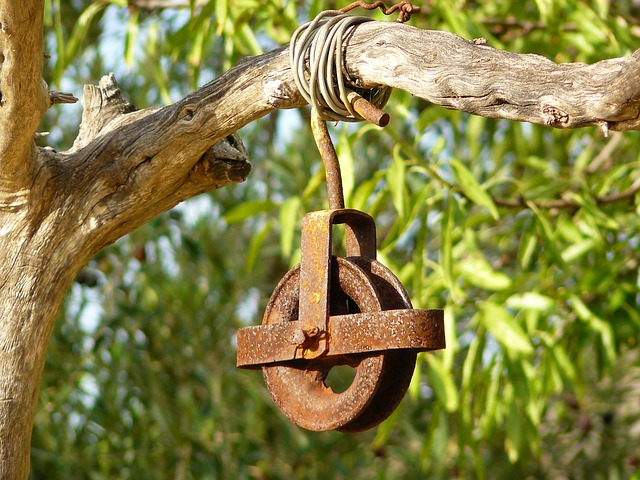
134	164
449	71
23	94
126	166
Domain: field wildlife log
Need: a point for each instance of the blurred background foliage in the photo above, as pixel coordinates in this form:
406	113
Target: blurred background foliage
528	237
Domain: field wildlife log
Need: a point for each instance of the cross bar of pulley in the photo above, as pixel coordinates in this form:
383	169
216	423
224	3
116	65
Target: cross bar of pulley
364	333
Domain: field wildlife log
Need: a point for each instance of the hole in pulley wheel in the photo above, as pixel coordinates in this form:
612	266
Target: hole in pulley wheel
340	378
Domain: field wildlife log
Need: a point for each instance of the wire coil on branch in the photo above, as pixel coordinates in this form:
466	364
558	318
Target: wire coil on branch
319	43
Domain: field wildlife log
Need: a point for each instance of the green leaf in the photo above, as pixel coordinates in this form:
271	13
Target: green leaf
249	209
442	383
159	74
384	431
345	154
455	18
446	246
61	62
471	362
289	220
598	325
195	54
315	182
547	235
577	250
515	420
560	357
477	271
80	29
530	301
415	386
133	28
255	246
396	179
221	16
504	327
490	412
453	346
471	188
475	127
528	245
247	38
592	210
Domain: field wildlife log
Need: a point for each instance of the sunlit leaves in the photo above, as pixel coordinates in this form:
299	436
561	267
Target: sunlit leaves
68	48
506	226
248	209
396	180
289	221
597	325
443	384
477	271
504	327
471	188
530	301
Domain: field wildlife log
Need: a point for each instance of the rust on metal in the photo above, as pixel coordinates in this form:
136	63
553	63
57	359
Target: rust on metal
329	160
299	389
360	229
330	311
315	280
420	330
406	8
315	269
368	110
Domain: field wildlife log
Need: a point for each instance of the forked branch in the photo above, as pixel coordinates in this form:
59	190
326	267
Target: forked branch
439	67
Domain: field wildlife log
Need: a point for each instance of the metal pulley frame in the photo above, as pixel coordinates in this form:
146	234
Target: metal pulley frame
330	311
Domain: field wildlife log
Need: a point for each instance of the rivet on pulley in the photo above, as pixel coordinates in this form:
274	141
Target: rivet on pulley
330	311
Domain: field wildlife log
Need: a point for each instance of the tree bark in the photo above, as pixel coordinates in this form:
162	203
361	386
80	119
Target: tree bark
58	209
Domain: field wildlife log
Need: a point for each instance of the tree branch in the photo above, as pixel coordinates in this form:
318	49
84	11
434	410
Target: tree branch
563	203
128	166
23	94
509	28
160	4
134	164
449	71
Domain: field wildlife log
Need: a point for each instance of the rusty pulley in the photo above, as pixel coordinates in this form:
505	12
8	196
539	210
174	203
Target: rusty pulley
330	311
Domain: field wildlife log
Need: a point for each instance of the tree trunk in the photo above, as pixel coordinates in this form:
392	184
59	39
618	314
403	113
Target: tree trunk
58	209
48	234
31	292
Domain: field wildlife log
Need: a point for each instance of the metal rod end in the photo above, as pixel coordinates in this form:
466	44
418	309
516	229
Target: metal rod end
368	110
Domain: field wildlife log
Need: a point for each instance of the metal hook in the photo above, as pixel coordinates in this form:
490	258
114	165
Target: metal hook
328	152
329	160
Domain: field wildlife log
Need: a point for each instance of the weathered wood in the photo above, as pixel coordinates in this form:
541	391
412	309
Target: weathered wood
440	67
76	204
454	73
58	209
23	95
129	165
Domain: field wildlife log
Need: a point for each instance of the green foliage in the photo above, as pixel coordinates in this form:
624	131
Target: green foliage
508	227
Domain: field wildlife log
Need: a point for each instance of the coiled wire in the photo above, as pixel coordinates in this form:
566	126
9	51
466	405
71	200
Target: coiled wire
319	43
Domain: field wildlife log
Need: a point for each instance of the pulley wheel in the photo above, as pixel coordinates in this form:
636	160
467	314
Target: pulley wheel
381	379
